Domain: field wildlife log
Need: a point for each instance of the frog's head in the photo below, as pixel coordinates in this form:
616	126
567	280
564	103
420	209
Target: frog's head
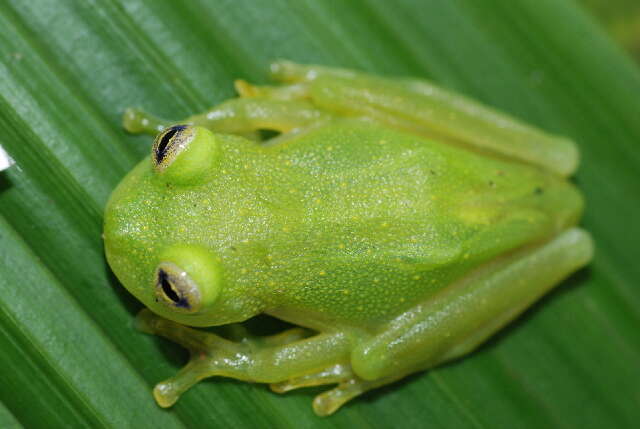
158	241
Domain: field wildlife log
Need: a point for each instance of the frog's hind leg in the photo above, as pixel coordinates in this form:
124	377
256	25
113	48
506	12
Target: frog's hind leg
422	108
464	315
469	315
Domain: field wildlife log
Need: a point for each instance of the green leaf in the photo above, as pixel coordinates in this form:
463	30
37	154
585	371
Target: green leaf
68	351
621	18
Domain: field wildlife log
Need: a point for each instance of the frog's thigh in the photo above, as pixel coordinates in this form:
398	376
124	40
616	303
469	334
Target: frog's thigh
460	318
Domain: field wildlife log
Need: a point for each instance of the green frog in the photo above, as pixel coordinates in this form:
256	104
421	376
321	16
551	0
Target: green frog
398	225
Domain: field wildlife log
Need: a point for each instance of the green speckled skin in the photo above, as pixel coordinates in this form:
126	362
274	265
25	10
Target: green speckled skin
400	242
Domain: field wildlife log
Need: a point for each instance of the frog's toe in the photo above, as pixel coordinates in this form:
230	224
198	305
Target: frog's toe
330	401
137	121
166	393
334	374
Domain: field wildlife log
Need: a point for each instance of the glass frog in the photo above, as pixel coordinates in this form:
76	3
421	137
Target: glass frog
396	224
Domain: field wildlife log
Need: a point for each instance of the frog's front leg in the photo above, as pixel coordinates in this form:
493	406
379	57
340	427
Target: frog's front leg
270	360
240	116
461	317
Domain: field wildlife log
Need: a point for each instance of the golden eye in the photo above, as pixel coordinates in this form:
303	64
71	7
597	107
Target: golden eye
184	155
176	289
169	143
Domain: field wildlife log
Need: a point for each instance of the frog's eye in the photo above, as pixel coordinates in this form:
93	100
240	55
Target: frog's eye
184	154
187	279
176	288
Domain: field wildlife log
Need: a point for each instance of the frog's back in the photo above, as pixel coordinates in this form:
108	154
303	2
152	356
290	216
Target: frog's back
378	219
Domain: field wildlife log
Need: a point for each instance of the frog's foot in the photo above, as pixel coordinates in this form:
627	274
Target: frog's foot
330	401
349	386
138	121
199	344
285	356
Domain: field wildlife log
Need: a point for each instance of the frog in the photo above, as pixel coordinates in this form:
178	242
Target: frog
395	226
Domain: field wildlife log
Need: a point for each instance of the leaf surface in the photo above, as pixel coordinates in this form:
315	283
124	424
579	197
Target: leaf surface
68	69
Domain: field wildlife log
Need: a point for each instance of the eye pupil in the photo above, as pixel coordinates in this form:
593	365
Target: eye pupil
163	145
165	284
